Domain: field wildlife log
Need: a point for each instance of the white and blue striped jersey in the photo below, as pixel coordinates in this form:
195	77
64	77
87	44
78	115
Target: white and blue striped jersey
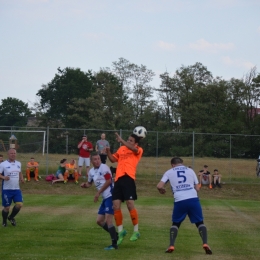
11	169
96	175
182	180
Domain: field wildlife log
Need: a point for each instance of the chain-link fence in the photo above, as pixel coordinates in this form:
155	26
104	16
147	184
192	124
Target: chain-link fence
233	155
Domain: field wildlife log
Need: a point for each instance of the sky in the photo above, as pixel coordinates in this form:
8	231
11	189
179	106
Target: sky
38	36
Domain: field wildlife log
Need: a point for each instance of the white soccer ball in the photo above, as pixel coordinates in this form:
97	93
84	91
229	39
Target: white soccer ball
140	131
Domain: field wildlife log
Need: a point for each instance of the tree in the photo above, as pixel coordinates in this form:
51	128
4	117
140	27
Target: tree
14	112
107	108
55	97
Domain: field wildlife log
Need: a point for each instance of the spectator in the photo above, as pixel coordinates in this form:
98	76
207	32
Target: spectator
32	170
101	146
60	172
216	179
205	177
71	172
85	148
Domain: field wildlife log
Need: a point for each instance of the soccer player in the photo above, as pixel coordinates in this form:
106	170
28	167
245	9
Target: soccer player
32	169
85	148
185	185
101	148
10	173
101	176
127	158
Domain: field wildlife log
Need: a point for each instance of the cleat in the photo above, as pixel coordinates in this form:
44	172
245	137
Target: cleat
170	249
4	224
76	182
65	182
210	186
121	236
219	185
112	247
207	249
214	186
12	220
135	236
36	180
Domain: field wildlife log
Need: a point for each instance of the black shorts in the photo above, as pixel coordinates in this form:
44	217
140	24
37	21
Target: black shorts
124	189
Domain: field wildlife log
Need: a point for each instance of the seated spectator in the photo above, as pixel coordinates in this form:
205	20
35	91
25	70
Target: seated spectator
205	177
71	172
216	179
32	170
60	172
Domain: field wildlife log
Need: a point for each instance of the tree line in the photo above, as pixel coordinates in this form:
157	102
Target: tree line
122	97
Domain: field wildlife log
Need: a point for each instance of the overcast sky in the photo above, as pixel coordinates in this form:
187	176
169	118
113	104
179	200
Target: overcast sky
38	36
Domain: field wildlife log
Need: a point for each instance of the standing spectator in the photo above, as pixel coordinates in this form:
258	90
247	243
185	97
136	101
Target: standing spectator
32	170
60	172
216	179
205	175
127	158
10	173
184	184
1	158
85	148
101	176
101	146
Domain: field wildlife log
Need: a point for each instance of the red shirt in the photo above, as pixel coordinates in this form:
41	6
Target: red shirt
83	150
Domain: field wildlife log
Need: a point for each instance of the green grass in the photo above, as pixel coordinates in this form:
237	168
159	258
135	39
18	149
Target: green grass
59	221
63	227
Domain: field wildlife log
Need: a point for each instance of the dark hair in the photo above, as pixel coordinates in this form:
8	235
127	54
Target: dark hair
176	160
216	170
63	160
1	155
94	154
84	136
205	166
32	157
137	138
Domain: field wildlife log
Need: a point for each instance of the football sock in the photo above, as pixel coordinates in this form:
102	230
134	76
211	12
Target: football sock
28	174
113	235
76	175
14	212
173	234
118	217
5	215
134	216
36	173
203	233
105	227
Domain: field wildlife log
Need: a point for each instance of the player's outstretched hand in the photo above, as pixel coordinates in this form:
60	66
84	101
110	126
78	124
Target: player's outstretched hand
162	190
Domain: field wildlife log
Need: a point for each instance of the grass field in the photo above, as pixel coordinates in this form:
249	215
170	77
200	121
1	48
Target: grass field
58	222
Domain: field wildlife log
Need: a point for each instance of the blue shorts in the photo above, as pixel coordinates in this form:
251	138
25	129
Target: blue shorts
190	207
11	195
106	207
58	173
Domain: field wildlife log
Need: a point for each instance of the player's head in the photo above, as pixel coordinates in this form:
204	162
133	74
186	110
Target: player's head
11	154
103	136
176	161
134	139
95	159
32	159
205	166
72	161
216	171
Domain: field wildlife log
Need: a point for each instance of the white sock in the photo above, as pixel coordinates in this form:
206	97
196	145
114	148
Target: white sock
119	228
135	227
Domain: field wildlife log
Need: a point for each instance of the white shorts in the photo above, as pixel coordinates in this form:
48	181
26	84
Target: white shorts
83	160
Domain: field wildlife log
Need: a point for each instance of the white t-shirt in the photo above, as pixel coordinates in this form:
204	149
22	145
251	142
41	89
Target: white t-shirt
11	169
96	175
182	180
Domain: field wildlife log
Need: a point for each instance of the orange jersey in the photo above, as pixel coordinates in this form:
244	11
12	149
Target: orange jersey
127	161
32	165
70	167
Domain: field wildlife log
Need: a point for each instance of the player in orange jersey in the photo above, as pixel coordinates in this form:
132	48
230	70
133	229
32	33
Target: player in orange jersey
32	169
71	172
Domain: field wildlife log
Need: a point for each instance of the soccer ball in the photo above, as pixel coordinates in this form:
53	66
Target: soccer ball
140	131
